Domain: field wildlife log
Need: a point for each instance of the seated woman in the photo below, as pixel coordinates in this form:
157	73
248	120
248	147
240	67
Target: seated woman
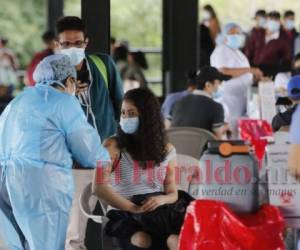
143	163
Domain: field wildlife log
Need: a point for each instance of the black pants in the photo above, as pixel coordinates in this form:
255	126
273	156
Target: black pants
157	244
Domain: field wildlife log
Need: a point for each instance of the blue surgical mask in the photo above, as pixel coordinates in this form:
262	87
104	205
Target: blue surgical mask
289	24
262	22
273	25
76	55
129	125
217	94
236	41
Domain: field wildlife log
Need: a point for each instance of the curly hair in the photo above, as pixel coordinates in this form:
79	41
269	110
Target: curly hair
149	143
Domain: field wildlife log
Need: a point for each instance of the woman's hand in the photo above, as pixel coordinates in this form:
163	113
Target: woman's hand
153	202
136	209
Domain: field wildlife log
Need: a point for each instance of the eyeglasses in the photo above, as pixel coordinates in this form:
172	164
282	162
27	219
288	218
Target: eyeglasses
77	44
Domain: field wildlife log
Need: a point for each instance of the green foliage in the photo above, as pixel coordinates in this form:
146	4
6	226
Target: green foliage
138	21
23	22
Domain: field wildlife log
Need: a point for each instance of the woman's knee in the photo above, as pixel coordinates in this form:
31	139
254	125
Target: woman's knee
172	242
141	239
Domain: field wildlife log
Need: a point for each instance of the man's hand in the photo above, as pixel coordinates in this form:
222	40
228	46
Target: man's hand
81	87
257	73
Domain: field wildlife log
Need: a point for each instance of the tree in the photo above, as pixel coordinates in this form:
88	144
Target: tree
23	22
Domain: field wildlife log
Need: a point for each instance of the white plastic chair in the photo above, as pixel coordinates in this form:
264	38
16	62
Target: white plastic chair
106	242
190	141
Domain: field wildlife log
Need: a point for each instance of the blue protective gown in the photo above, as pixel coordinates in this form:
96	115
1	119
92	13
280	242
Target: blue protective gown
41	130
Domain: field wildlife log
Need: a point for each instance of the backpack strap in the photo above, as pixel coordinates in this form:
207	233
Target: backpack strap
101	67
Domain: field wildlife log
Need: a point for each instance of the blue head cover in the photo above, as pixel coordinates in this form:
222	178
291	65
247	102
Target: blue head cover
294	88
54	68
221	37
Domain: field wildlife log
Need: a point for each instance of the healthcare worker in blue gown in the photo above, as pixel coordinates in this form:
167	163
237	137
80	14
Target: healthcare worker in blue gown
41	131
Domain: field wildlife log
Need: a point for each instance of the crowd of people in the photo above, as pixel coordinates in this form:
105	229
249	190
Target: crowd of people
85	112
268	51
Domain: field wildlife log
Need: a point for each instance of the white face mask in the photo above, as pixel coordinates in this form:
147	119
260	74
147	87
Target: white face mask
289	24
76	55
206	15
273	26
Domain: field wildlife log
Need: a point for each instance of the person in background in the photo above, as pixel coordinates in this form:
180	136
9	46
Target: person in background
283	119
289	28
294	155
8	67
269	50
208	32
140	141
48	39
172	98
282	79
230	60
113	45
132	74
198	109
8	54
41	131
260	25
100	93
120	57
260	20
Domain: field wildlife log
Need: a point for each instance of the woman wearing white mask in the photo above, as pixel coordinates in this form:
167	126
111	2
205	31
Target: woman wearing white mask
139	147
230	60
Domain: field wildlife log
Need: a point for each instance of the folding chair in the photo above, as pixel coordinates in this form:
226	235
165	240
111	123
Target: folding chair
190	141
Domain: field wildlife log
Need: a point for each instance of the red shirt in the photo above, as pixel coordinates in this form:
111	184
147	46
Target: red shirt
35	61
274	55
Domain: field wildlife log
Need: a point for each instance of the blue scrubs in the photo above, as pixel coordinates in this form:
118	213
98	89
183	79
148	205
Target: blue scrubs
41	130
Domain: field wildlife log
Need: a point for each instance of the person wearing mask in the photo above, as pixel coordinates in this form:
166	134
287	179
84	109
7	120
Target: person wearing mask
260	24
260	20
282	79
230	60
283	119
132	74
140	143
100	93
172	98
41	131
269	50
48	39
294	159
208	32
199	110
289	28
